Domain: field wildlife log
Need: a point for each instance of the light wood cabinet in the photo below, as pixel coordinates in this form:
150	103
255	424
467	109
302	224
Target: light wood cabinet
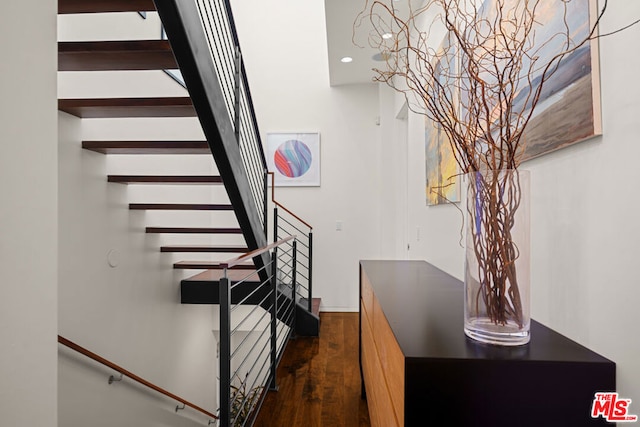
383	363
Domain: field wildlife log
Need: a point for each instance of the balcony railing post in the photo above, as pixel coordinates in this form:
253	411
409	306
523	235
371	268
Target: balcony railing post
236	109
294	289
310	269
275	224
266	205
225	351
274	318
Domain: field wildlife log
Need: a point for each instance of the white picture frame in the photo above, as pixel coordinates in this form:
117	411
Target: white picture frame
294	158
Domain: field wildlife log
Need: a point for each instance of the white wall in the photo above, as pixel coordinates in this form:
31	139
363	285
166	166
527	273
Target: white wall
285	50
392	167
129	313
584	226
28	213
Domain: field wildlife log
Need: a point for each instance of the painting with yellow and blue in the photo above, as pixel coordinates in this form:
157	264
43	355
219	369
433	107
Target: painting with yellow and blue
442	169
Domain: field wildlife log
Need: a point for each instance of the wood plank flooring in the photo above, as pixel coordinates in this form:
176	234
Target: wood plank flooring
319	379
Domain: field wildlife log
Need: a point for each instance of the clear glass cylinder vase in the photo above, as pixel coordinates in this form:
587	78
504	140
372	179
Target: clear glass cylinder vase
497	266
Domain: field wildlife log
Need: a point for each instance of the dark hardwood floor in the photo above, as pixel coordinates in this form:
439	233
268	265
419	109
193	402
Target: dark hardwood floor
319	379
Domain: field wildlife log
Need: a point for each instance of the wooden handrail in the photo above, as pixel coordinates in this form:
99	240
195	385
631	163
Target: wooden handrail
250	255
273	199
131	375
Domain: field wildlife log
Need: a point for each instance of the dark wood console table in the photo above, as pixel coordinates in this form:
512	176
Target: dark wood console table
419	369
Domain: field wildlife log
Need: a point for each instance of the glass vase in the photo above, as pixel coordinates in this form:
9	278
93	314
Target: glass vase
497	266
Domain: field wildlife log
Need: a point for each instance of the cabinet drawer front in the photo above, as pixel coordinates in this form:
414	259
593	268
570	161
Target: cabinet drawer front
391	358
366	293
379	401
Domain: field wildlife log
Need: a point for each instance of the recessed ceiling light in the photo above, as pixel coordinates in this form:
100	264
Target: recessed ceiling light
387	36
346	59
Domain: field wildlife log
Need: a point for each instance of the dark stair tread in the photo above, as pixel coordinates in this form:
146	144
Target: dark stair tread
147	147
199	265
214	276
128	107
101	6
204	288
194	230
205	248
165	179
115	55
180	207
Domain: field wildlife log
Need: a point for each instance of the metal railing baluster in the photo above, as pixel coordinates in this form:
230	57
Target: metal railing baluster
274	314
225	350
238	64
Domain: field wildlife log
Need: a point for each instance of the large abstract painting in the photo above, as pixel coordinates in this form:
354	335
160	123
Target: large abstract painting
569	106
294	158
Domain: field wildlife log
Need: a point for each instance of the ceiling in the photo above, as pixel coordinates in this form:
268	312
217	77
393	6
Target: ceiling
340	16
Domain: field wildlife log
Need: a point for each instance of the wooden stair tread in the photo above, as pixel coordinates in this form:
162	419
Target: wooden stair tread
115	55
165	179
101	6
147	147
194	230
214	276
210	265
128	107
180	207
315	305
205	248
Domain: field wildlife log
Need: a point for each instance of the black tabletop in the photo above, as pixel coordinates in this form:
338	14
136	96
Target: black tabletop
424	307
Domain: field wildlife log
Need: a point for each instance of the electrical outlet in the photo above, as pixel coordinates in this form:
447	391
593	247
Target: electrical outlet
338	225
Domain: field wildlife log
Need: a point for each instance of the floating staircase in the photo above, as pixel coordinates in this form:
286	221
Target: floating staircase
202	288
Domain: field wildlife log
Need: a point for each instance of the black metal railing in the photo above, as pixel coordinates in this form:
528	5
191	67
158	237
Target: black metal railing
224	47
257	318
205	44
258	310
297	266
285	224
251	150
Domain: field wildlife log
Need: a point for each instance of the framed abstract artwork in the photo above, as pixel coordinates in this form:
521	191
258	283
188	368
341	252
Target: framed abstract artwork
294	158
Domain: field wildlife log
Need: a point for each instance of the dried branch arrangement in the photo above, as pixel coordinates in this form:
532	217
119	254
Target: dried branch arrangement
481	87
483	83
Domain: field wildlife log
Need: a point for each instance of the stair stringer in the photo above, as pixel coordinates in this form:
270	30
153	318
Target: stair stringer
183	26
